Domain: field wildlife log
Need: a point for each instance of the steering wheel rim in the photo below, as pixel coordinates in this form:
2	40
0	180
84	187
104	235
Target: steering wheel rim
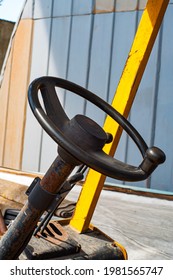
95	160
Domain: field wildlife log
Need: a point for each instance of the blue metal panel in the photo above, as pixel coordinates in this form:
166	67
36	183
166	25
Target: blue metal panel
40	53
102	6
78	61
62	8
126	5
59	46
40	48
163	177
28	9
57	66
42	9
100	61
142	4
81	9
122	40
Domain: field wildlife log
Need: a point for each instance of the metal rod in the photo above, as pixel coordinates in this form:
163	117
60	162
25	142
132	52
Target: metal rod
18	235
66	187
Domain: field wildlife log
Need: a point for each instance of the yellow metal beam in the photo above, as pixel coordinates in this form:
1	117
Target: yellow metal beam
134	68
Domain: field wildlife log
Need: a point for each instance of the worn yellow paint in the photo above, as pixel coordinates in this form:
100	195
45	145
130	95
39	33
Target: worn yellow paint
123	250
17	95
139	54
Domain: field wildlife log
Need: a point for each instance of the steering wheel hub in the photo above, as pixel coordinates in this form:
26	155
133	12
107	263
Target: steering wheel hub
86	133
81	139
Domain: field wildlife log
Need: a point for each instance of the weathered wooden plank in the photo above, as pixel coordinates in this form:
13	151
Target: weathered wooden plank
4	97
17	95
13	191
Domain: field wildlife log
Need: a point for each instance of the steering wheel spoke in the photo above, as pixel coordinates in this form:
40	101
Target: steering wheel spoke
82	138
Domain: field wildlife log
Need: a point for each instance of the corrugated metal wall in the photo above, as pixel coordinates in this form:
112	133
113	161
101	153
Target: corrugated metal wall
88	42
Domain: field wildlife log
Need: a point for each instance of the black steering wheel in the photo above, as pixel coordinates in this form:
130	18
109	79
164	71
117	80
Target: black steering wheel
55	122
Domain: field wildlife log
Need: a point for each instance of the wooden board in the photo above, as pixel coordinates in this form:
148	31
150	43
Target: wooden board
4	95
17	95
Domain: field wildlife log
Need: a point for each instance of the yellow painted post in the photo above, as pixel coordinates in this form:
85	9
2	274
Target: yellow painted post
134	68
